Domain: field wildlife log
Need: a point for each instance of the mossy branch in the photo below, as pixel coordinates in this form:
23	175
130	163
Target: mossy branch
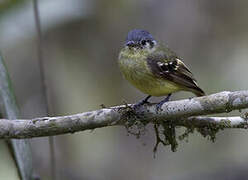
177	112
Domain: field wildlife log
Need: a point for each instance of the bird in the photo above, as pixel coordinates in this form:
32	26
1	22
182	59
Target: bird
154	69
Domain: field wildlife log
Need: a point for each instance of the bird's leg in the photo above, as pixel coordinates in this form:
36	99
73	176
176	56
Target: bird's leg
142	102
158	106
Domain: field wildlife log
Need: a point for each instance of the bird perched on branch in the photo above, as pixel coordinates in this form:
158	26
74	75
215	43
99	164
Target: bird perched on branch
154	69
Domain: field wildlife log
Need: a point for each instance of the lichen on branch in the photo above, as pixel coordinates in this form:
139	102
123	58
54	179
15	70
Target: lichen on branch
186	113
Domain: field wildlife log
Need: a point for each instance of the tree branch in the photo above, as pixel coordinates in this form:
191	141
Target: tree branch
226	122
179	112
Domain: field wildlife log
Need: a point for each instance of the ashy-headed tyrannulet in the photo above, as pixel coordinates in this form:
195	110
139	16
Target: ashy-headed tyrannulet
153	68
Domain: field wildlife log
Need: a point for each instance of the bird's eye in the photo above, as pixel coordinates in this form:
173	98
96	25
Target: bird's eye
143	42
151	43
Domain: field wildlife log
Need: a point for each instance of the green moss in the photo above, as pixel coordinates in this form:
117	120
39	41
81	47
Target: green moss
224	124
134	123
245	116
165	131
210	130
166	135
185	135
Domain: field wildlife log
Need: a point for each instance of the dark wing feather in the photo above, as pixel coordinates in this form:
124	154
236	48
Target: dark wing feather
173	69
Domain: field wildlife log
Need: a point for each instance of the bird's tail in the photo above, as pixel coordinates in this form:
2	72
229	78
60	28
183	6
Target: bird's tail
198	91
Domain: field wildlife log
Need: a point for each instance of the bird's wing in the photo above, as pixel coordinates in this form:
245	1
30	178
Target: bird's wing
174	70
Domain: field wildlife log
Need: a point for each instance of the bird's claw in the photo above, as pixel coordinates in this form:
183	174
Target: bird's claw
136	106
141	103
158	106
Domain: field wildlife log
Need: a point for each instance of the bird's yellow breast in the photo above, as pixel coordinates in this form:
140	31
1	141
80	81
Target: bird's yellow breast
134	67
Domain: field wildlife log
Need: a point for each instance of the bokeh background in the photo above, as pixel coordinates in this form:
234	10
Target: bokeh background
81	41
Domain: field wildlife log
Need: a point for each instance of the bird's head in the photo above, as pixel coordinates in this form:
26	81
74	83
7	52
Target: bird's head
139	39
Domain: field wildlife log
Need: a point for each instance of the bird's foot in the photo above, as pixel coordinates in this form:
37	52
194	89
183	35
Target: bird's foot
190	98
160	104
141	103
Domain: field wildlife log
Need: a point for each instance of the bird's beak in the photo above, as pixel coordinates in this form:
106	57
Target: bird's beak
130	44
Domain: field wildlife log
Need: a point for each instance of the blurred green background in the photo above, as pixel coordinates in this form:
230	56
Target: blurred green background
82	39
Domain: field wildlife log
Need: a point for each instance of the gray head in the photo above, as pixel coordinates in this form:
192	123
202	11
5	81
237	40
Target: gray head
140	39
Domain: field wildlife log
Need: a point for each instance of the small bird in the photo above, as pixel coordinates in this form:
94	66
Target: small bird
154	69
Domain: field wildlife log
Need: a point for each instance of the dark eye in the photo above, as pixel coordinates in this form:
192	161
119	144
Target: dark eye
143	42
151	43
